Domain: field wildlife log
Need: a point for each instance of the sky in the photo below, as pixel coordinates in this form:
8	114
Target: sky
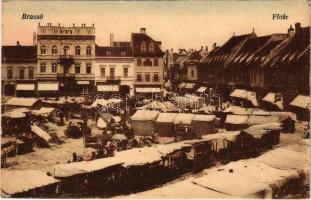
178	24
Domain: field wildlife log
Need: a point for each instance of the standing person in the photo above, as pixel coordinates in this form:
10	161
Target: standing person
74	157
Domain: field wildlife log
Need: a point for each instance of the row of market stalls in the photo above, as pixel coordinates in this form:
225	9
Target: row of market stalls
147	123
274	174
274	101
192	87
134	169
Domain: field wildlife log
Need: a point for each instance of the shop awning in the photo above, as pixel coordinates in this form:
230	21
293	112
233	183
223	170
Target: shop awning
83	82
148	90
301	101
201	89
25	87
244	94
49	86
107	88
190	85
275	99
181	85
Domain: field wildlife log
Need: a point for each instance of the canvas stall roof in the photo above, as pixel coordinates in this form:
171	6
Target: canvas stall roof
25	87
237	184
101	123
237	110
23	110
170	148
180	190
301	101
261	113
43	111
271	98
145	115
19	101
236	119
101	102
18	181
182	85
166	117
14	114
283	158
155	105
184	118
139	156
71	169
228	135
148	89
206	118
41	133
190	85
244	94
257	119
48	86
201	89
107	88
258	130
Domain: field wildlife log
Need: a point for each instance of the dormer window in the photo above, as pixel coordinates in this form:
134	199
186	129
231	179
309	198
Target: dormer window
151	47
143	46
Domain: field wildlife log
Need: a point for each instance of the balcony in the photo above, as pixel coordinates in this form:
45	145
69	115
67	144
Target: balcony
66	60
67	75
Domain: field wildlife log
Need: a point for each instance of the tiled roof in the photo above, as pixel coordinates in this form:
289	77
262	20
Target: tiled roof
113	51
246	52
138	38
223	54
19	54
291	51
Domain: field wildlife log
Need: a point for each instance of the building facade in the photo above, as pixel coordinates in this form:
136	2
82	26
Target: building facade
148	63
114	70
18	71
65	57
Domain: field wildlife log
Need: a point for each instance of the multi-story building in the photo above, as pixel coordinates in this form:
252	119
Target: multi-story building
65	57
114	70
19	64
148	63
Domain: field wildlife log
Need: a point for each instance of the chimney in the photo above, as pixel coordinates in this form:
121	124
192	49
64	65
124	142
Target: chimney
206	48
73	25
18	44
143	30
214	45
290	31
297	28
201	47
38	24
34	39
111	39
172	50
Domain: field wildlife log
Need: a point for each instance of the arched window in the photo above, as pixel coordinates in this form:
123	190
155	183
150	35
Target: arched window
143	46
54	67
66	49
151	47
88	50
88	68
54	49
78	50
77	68
42	68
43	49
